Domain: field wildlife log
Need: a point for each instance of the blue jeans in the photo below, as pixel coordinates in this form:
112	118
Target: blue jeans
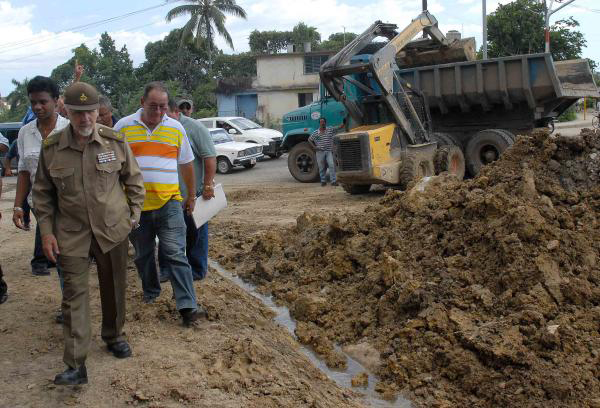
325	161
168	225
196	250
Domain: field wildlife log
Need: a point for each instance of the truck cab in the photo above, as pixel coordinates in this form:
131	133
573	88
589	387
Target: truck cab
299	124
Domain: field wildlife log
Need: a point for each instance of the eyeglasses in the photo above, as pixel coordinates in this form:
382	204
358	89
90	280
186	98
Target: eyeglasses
155	107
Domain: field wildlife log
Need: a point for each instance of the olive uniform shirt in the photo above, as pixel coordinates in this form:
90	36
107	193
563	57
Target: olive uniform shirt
95	190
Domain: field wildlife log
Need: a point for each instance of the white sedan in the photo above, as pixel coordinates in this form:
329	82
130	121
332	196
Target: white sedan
231	154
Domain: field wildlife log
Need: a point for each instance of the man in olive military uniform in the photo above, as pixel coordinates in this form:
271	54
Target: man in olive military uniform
88	194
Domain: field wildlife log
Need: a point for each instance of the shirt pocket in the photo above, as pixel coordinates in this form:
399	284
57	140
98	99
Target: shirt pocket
108	173
63	178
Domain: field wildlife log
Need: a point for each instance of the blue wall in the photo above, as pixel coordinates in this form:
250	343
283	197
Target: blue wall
242	104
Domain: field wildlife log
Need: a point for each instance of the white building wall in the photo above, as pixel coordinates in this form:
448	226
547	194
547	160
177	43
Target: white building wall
273	105
283	71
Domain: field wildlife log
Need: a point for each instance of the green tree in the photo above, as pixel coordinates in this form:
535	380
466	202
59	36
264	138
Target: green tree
269	42
518	28
63	74
207	17
18	101
302	33
337	41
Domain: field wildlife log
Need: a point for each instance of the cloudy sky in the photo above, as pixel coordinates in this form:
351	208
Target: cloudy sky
36	36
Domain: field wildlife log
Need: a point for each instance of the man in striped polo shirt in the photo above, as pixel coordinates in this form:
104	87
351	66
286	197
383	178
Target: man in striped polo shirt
322	140
160	144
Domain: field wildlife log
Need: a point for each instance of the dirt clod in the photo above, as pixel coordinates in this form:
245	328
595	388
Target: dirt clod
476	293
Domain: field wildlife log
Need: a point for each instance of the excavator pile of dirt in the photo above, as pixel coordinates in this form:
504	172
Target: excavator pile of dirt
484	292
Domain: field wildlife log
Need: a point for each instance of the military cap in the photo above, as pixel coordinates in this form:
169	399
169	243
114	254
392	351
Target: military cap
81	96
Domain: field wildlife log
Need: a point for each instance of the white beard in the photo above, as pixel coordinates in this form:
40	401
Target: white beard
86	132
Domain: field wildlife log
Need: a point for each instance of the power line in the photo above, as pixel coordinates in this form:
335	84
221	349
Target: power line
33	41
68	46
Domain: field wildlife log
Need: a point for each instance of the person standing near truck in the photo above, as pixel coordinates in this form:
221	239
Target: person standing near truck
322	140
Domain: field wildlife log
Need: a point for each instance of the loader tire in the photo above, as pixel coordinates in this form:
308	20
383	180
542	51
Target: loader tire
485	147
450	159
415	167
445	139
356	188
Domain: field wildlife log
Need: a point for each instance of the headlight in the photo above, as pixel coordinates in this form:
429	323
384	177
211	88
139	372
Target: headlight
240	153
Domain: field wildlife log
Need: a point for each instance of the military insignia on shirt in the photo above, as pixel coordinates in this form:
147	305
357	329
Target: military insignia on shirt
106	157
83	97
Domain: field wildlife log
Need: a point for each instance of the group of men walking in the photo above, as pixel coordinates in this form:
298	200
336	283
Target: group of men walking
94	186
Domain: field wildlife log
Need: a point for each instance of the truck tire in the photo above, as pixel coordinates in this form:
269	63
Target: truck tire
302	163
445	139
485	147
356	188
415	166
450	159
223	165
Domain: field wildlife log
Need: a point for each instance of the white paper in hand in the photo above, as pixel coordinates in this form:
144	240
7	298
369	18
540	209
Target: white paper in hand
204	210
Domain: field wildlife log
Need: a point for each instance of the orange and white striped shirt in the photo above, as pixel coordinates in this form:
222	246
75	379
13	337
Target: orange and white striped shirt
158	153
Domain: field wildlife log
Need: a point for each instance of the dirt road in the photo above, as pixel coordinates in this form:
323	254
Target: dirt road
238	357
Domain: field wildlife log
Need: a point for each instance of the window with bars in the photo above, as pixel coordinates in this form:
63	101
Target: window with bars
312	63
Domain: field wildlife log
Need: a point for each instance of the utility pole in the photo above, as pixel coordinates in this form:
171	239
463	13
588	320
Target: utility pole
484	34
344	27
547	13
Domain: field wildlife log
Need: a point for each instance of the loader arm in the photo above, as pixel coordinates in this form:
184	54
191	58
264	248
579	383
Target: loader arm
382	66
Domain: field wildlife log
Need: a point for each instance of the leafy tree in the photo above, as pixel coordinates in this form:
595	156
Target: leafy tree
302	33
518	28
269	42
63	74
206	18
337	41
165	61
18	101
236	65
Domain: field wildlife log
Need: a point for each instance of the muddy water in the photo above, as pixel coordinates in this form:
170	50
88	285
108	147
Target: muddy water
342	378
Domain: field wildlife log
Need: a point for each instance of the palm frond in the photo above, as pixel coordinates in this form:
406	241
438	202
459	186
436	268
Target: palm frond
181	11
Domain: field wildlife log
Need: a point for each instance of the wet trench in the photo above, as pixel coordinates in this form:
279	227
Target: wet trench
343	378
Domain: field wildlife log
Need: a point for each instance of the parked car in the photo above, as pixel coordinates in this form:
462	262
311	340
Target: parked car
231	153
10	130
245	130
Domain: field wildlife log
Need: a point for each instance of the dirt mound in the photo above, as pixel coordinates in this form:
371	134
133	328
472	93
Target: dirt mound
476	293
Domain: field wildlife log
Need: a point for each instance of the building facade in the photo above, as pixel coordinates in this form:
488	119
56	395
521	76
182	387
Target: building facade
283	83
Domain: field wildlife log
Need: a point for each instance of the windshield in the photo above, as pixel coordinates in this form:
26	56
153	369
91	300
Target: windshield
220	136
245	124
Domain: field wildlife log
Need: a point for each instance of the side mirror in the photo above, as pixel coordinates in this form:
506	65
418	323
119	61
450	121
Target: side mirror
232	131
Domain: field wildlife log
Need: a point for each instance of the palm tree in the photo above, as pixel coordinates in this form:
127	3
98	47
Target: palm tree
206	18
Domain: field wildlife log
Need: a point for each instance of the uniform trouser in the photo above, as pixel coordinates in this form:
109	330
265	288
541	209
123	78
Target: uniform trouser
112	276
168	225
3	287
325	161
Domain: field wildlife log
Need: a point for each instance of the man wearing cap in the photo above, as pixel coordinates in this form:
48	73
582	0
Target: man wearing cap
88	195
186	106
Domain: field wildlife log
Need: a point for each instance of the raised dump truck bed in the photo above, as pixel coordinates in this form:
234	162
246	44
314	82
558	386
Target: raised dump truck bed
516	93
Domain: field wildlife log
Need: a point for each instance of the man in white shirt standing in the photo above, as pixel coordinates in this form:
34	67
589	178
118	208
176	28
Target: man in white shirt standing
43	94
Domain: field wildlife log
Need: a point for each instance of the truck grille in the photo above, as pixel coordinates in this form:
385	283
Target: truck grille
350	155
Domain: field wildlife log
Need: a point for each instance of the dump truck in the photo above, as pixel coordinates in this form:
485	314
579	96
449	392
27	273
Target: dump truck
405	123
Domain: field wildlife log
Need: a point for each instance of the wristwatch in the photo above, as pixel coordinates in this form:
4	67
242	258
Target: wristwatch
17	209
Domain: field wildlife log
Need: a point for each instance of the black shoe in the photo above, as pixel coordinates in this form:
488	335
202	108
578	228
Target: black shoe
60	318
148	300
72	376
40	271
120	349
3	298
163	278
323	184
191	315
335	184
